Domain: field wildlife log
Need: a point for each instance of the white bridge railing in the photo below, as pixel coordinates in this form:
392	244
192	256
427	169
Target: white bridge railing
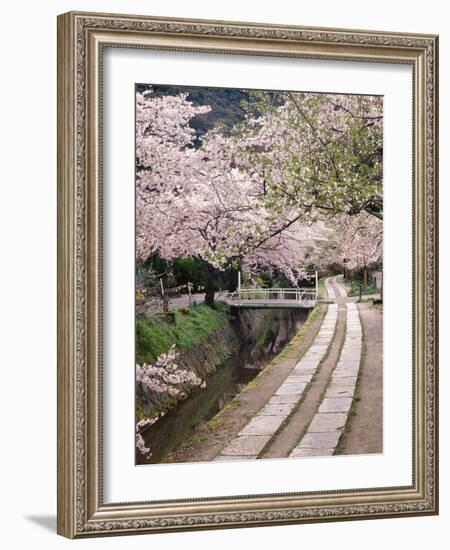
295	297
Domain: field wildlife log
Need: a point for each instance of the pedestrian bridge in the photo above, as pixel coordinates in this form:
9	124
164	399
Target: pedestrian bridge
257	298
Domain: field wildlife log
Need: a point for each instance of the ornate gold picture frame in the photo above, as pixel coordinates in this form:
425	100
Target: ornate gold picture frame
82	509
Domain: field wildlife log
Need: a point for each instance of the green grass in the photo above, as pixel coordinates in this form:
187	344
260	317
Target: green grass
155	334
353	288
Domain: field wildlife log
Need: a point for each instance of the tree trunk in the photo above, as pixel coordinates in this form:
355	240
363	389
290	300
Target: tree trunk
365	281
210	286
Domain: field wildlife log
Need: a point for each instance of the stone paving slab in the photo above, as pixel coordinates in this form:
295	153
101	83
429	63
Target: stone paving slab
311	358
325	440
347	364
307	363
278	399
335	404
301	377
349	381
348	357
354	346
345	373
246	445
288	388
303	371
349	354
262	425
276	409
315	353
340	391
301	452
328	422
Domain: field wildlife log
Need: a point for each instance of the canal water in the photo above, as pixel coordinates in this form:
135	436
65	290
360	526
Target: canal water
279	327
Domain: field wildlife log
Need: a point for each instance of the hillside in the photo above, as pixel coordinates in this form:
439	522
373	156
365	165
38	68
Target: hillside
225	103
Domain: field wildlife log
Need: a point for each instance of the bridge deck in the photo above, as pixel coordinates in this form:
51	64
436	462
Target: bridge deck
260	298
288	304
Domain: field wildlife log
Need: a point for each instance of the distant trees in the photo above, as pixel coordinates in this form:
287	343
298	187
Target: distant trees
354	241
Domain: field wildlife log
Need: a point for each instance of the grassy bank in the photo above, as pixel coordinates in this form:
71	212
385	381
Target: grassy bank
185	328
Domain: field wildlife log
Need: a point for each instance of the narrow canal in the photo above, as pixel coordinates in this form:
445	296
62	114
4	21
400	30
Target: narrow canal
278	328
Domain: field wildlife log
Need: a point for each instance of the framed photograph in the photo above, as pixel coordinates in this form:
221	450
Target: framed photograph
247	283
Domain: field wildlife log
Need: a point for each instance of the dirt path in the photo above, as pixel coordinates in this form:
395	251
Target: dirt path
286	440
210	438
364	429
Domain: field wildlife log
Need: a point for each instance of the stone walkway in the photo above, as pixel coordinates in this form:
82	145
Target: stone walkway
334	287
254	437
327	426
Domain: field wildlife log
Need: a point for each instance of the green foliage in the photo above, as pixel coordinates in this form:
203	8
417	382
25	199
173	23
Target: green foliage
342	170
354	288
147	281
264	280
190	270
155	335
180	272
281	281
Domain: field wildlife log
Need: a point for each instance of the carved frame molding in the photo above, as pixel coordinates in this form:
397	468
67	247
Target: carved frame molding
81	38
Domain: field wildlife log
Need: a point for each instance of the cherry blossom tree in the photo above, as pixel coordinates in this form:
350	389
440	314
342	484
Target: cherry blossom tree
166	161
321	153
198	202
354	241
159	385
